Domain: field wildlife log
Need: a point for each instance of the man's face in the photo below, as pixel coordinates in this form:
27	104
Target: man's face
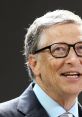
59	76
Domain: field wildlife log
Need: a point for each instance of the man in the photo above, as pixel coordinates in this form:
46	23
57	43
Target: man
53	51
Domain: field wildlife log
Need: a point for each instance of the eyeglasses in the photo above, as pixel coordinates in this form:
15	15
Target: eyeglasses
61	50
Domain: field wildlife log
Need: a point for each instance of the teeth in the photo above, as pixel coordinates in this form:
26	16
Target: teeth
71	74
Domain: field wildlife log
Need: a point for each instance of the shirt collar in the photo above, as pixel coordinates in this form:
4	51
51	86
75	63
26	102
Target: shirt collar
52	107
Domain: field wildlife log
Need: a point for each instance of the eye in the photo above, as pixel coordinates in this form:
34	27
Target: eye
79	48
58	49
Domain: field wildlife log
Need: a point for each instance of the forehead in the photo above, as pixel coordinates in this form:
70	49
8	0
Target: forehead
68	32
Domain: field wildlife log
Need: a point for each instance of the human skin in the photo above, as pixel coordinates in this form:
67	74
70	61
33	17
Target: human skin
48	70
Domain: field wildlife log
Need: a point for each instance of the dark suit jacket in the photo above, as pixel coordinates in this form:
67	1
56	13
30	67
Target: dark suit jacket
25	105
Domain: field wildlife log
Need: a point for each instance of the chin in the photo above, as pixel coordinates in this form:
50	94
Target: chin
73	92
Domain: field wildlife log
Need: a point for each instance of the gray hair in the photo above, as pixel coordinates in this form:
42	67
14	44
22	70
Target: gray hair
32	36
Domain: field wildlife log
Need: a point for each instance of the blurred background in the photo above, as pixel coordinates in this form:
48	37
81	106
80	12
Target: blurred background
16	16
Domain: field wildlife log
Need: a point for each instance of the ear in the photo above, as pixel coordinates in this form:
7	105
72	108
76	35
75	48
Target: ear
34	64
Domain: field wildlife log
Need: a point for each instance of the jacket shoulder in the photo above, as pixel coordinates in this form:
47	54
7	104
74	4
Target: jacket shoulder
9	108
26	105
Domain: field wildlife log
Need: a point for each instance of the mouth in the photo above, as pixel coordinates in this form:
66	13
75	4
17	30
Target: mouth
71	75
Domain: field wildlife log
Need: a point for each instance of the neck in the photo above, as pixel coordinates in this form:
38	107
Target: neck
65	100
66	103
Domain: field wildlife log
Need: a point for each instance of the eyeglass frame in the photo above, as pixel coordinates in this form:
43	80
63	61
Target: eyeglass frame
69	46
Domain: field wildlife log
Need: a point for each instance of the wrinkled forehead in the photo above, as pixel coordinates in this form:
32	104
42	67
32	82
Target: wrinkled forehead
49	34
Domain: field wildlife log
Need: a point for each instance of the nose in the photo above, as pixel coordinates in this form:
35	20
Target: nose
72	58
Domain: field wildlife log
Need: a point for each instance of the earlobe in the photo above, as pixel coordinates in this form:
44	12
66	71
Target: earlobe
32	60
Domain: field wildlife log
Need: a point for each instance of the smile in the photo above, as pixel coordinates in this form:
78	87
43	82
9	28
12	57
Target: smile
71	75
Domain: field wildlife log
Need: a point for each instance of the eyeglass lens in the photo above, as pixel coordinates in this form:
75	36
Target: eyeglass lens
59	50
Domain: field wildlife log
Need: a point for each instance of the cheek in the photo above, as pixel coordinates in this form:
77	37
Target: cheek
51	66
57	64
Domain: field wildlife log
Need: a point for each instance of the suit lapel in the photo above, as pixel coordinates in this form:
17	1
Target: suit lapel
80	110
29	105
37	113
